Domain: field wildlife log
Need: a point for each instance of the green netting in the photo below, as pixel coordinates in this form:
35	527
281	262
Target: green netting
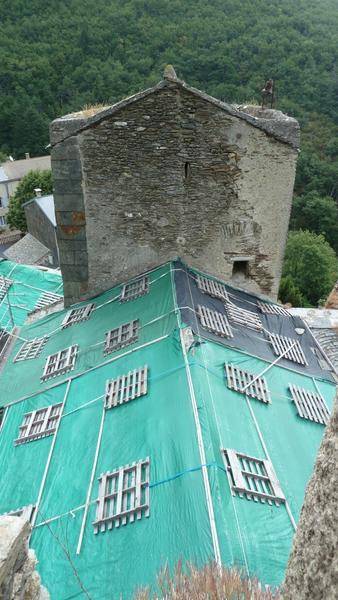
155	312
161	425
28	285
120	559
256	536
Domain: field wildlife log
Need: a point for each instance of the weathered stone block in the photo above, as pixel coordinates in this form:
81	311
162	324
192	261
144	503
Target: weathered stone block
81	258
70	169
68	150
63	128
71	232
68	201
75	273
68	186
75	217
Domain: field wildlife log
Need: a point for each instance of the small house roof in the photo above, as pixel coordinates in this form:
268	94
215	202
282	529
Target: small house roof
16	169
27	251
46	204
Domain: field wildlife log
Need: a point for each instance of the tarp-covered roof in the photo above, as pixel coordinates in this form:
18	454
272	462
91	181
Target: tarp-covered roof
188	414
28	283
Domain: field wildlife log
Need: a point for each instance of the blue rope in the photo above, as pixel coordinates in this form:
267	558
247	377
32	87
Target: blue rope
191	470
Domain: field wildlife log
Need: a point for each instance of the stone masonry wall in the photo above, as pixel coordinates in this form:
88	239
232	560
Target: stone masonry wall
18	578
41	228
172	175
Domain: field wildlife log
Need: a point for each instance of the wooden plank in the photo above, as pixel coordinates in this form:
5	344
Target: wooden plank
118	508
236	469
278	492
138	490
100	500
132	494
147	491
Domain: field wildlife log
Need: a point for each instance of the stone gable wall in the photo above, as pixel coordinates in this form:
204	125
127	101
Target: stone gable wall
171	175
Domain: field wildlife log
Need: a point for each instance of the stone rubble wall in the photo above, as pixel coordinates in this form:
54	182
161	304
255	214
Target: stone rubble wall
169	175
18	578
312	572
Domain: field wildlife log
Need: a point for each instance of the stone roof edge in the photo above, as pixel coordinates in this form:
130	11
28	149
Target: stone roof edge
263	124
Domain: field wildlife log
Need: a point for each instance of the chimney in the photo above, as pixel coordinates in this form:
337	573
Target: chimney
27	155
37	192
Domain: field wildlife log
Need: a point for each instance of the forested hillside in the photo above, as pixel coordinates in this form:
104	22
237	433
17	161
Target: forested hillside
57	56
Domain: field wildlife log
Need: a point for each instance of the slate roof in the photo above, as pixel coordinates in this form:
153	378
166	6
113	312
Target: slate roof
27	251
323	323
328	340
16	169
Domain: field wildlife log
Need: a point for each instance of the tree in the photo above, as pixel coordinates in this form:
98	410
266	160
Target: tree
312	265
24	192
3	157
289	292
316	214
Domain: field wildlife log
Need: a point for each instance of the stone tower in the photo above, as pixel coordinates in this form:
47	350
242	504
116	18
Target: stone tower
172	172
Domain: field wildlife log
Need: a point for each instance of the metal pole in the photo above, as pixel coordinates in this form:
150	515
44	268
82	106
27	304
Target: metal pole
268	367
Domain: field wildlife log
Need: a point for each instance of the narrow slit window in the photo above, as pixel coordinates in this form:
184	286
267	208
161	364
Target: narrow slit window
60	362
5	284
38	424
121	336
214	322
252	477
272	309
243	317
242	381
187	171
31	349
212	288
46	299
309	405
127	387
135	289
292	348
76	315
123	496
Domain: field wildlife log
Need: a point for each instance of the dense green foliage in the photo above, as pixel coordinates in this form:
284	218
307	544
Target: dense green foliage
310	268
318	214
24	192
56	57
289	293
